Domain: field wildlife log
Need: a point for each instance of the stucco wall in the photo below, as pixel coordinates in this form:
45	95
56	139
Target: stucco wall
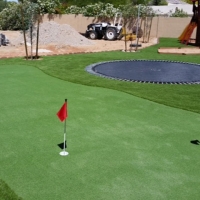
170	26
161	26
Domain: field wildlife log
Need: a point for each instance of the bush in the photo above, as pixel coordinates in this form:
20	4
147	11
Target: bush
48	6
74	10
159	2
10	18
3	4
102	10
179	13
94	10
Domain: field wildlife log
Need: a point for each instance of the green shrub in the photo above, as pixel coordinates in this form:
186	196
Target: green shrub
158	2
94	10
48	6
3	4
102	10
10	18
179	13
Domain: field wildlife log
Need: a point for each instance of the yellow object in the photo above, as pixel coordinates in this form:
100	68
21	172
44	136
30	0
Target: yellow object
183	33
130	37
186	34
127	36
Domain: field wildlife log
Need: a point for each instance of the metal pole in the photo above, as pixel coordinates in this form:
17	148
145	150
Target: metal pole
64	142
64	152
64	135
157	29
65	127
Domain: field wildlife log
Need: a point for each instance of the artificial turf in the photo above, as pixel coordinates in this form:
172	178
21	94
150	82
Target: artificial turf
120	146
6	193
72	68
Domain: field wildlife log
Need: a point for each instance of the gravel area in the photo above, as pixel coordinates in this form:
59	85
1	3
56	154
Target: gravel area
53	33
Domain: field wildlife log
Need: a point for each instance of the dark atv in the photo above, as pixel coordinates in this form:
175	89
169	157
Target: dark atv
3	40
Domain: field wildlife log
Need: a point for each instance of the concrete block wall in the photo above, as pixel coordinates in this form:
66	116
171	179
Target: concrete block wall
161	26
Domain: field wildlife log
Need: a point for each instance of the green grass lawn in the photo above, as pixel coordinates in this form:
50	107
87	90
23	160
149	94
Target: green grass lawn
121	146
6	192
71	68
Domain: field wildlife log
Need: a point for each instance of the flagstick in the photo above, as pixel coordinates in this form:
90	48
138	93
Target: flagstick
64	153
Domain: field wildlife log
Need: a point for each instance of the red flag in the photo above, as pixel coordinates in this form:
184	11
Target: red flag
62	113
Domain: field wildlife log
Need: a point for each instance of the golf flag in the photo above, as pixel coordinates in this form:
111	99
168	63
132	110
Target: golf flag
62	113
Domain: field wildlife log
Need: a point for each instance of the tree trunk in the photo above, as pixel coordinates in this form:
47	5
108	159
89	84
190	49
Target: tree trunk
37	40
125	42
24	32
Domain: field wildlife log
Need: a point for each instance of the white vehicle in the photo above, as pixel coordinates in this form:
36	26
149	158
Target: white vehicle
105	30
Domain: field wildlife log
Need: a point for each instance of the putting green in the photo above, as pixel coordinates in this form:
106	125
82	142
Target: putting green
120	146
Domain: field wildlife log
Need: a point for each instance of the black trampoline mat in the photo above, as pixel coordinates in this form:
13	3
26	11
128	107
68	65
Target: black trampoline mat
148	71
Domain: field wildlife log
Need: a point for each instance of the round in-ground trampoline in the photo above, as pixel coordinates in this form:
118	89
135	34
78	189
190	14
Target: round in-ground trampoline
148	71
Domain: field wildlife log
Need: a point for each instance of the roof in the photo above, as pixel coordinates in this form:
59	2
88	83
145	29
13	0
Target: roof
175	2
168	10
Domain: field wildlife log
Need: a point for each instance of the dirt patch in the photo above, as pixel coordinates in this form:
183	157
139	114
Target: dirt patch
56	39
182	51
53	49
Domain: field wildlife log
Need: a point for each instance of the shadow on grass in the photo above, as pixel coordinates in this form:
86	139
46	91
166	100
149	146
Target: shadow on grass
196	142
6	193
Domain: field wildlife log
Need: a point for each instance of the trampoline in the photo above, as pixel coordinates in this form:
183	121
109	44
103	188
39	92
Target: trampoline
148	71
